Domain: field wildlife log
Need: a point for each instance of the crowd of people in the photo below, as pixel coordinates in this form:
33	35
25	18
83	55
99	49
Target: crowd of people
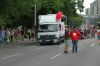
8	35
88	33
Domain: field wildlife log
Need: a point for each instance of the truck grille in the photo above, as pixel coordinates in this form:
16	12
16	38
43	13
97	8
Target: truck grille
47	37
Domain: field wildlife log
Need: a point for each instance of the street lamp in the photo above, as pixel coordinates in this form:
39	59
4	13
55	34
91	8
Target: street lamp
35	14
35	21
65	17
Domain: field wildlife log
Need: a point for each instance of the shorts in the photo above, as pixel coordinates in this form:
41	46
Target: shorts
66	42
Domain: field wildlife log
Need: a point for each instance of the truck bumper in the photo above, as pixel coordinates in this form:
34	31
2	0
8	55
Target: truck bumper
48	41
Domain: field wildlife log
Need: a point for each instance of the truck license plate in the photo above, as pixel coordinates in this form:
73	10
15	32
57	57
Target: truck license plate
47	40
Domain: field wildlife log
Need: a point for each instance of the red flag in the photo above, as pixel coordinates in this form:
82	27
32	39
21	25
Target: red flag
59	15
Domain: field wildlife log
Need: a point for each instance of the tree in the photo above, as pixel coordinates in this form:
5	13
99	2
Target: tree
18	11
80	5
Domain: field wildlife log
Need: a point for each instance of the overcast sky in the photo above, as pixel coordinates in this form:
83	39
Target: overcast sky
87	4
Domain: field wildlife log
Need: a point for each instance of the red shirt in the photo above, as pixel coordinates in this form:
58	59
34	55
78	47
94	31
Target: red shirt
75	35
98	33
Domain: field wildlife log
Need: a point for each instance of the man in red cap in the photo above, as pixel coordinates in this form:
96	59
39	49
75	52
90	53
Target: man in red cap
75	36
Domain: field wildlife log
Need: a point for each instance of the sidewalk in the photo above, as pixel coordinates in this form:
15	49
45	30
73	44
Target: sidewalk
19	43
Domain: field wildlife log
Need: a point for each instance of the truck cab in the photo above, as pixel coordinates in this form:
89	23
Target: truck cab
49	30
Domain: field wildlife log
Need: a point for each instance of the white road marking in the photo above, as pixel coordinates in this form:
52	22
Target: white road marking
62	45
32	46
80	43
92	45
3	58
56	56
38	49
70	48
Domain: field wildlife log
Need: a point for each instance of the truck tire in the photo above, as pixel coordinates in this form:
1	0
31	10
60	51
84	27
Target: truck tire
41	44
58	43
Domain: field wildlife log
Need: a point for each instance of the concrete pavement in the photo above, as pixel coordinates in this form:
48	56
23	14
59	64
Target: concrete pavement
88	55
18	43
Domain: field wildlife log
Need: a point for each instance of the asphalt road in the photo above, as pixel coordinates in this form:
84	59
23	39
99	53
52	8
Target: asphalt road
52	55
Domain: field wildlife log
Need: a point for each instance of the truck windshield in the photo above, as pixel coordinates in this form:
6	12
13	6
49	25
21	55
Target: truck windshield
48	28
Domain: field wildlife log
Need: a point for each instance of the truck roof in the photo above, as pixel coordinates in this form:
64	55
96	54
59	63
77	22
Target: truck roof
47	23
49	18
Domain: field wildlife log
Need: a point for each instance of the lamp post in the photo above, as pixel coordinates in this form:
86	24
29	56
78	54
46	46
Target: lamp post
35	15
35	21
66	20
65	17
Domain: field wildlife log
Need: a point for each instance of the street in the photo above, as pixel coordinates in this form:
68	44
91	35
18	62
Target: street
52	55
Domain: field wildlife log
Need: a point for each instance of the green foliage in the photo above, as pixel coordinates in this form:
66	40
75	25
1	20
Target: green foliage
4	21
80	5
77	21
16	11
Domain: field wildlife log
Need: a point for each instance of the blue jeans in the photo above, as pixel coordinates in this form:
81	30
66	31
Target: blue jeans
0	40
75	46
3	40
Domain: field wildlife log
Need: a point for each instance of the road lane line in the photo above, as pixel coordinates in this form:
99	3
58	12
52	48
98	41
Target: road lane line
61	45
80	43
3	58
70	48
32	46
56	56
92	45
38	49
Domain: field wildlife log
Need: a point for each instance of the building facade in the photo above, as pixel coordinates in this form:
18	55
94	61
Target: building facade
88	12
98	2
94	8
93	12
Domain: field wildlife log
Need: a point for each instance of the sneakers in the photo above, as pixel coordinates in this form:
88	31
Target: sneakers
65	51
74	52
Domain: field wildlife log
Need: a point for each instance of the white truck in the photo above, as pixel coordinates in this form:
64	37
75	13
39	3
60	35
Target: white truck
50	31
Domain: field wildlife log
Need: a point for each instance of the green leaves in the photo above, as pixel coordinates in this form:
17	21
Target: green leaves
80	5
17	10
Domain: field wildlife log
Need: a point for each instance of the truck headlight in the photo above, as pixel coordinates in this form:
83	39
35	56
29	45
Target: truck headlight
38	36
55	40
56	36
40	40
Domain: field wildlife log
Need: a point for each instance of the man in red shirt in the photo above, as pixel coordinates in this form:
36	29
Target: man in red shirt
75	36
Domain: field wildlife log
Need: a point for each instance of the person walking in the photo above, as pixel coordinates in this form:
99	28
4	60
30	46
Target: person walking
66	38
98	36
0	37
75	36
12	36
8	34
22	34
29	34
3	35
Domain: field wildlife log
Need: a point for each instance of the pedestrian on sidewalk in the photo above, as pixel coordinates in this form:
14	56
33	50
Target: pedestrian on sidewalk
29	34
75	36
12	36
8	34
66	38
3	35
0	37
22	34
98	36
